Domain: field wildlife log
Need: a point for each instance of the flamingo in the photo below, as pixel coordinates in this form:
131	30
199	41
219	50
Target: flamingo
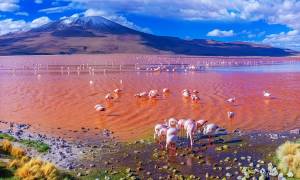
267	94
211	130
190	127
186	93
109	97
231	100
157	129
171	138
166	90
142	94
200	123
153	93
180	125
194	97
99	107
117	91
230	114
195	91
172	122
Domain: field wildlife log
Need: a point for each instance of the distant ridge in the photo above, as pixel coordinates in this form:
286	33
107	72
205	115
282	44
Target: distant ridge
97	35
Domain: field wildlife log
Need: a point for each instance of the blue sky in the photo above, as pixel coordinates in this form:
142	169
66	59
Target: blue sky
275	22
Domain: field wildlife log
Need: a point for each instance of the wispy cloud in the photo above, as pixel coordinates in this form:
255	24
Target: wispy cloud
10	25
289	39
39	22
9	5
220	33
58	9
22	14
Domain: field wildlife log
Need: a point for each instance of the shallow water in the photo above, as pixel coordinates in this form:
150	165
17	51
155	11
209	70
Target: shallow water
58	100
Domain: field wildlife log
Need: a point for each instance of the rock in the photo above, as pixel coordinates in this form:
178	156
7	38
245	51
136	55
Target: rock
228	174
290	174
136	152
227	168
274	172
79	174
274	136
270	166
239	178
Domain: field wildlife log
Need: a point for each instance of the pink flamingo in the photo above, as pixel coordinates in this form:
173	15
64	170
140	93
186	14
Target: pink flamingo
190	127
171	140
109	97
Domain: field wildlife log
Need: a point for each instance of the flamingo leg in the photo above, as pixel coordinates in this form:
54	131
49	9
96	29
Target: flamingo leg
171	149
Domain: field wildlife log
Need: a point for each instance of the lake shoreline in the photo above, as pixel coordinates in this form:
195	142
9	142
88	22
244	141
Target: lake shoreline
144	158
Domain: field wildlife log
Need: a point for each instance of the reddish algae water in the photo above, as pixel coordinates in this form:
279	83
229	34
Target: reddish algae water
56	100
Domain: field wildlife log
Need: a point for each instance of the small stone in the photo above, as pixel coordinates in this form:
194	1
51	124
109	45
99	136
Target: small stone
239	178
136	152
290	174
274	136
228	175
207	175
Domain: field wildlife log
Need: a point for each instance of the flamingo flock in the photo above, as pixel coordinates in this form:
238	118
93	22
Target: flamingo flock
167	132
193	96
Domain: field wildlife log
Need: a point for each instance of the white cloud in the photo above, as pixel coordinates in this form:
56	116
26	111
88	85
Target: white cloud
289	39
22	14
284	12
94	12
39	22
10	25
9	5
115	18
220	33
58	9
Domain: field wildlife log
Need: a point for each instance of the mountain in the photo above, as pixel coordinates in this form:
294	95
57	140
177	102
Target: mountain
97	35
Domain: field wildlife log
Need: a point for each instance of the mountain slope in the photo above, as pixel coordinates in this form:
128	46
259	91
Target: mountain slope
90	35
